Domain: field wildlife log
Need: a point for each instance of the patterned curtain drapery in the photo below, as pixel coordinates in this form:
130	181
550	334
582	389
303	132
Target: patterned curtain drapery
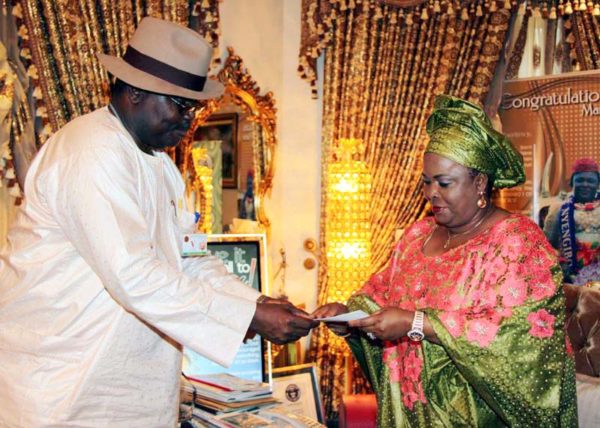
383	67
584	25
205	18
554	38
60	41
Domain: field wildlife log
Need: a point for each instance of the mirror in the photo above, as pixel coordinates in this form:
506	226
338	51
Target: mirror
227	157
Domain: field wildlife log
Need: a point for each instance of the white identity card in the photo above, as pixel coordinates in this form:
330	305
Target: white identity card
194	244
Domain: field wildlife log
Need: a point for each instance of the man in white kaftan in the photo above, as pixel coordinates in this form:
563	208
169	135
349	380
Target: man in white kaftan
95	299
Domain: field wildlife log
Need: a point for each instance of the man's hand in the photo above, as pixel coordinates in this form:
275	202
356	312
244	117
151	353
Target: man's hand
281	322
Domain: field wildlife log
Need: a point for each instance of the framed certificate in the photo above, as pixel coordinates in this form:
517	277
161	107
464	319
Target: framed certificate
297	387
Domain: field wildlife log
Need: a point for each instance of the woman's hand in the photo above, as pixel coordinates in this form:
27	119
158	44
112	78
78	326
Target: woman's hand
386	324
331	310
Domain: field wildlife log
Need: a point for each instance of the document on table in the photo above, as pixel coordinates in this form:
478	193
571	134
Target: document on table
350	316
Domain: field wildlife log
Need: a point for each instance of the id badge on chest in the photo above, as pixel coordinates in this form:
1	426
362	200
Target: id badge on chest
194	244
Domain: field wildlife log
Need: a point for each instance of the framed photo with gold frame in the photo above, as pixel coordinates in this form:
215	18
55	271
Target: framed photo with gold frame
223	127
297	387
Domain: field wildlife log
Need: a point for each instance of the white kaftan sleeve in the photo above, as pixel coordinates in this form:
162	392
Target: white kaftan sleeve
212	267
93	196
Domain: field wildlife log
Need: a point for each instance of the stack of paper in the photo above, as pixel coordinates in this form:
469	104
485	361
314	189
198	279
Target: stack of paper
235	420
225	393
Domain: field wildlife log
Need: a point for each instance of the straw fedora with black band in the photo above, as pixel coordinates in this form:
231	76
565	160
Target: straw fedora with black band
166	58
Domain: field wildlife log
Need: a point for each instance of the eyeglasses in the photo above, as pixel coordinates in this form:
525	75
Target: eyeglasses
186	107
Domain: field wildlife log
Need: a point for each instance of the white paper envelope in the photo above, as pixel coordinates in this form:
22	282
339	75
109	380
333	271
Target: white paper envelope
350	316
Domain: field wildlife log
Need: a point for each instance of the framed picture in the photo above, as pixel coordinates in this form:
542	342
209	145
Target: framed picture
297	387
223	127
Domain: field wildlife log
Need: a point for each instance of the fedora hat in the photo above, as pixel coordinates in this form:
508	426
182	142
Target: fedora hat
166	58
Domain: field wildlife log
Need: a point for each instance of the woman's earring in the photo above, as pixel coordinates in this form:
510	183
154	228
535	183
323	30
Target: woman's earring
482	201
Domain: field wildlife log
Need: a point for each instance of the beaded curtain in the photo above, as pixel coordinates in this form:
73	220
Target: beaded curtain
60	40
383	66
584	38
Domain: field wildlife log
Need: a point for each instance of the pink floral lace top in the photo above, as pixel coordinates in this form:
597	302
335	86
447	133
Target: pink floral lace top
471	290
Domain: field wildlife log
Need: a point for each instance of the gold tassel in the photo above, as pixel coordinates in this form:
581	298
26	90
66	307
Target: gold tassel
573	54
450	10
424	14
507	5
596	11
479	11
378	13
464	14
493	6
582	6
436	6
568	8
552	13
409	19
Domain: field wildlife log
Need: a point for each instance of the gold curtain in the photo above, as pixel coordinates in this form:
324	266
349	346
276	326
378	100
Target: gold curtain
205	19
60	40
383	67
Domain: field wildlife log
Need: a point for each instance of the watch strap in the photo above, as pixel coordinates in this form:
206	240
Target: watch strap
416	332
418	321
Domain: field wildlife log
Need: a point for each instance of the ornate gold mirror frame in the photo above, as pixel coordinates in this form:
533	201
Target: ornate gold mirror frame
260	109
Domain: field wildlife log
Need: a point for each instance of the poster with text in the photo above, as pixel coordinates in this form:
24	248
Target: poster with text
553	121
241	258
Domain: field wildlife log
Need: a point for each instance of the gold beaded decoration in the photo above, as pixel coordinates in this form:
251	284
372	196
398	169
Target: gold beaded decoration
202	188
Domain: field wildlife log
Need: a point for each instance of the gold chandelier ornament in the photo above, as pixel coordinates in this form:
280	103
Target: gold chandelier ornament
348	231
202	184
345	257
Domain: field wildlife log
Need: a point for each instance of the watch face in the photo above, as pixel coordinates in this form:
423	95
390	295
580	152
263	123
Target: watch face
415	335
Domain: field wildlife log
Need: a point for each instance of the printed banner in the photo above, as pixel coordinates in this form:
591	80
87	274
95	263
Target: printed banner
553	121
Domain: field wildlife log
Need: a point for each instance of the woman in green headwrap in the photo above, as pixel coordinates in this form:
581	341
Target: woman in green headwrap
467	324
